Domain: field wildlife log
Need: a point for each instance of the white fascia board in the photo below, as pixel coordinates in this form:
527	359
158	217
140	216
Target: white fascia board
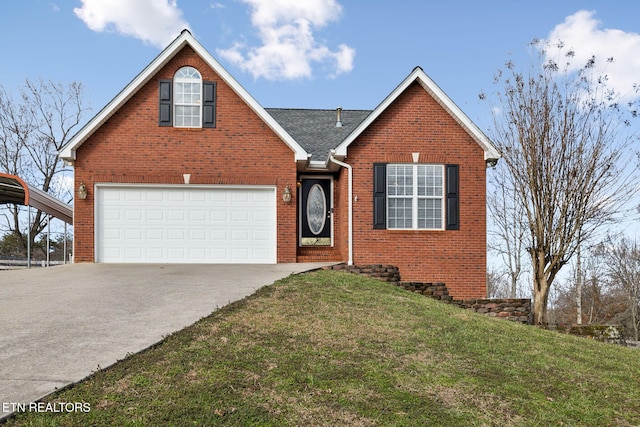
68	152
490	152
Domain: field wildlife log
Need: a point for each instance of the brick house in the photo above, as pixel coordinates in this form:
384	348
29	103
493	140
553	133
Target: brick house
184	165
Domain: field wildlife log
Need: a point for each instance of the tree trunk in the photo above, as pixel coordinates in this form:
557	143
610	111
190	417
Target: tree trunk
579	287
540	298
540	288
634	310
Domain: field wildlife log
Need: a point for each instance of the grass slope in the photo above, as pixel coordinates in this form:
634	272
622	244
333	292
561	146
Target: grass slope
329	348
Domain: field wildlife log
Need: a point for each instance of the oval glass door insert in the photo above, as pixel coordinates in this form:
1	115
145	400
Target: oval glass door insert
316	209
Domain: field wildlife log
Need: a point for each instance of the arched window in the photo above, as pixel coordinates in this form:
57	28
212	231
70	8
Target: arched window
187	99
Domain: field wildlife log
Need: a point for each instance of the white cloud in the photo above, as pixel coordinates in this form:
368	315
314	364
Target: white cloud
157	22
582	33
286	29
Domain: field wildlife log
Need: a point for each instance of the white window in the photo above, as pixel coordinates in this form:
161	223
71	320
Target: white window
187	101
415	196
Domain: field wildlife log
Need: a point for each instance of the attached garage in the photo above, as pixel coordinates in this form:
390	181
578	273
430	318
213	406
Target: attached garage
185	224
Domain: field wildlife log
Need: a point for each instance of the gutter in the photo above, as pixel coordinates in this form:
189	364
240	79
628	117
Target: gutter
350	175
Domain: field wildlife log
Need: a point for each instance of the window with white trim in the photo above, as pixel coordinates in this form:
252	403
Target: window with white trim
187	98
415	196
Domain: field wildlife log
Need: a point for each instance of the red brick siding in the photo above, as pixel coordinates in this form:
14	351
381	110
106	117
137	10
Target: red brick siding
415	122
341	214
130	147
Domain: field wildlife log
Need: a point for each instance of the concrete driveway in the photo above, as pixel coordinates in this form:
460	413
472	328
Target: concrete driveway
60	324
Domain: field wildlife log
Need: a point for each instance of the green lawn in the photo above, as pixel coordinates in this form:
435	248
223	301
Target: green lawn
329	348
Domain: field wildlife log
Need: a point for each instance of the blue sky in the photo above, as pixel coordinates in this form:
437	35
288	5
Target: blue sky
311	53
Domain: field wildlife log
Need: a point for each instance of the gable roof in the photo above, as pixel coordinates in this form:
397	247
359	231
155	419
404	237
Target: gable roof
316	130
490	152
311	134
68	152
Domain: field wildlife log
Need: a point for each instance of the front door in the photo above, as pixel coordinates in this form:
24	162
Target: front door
316	212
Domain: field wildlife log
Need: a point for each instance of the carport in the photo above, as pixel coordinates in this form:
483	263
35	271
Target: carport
15	190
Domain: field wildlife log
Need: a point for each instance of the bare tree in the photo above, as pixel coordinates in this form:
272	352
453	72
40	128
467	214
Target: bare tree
32	131
585	296
508	228
497	286
15	129
561	135
624	273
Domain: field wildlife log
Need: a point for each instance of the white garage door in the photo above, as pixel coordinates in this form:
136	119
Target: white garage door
185	224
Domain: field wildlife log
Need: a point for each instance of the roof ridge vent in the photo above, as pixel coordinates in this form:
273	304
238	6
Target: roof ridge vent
339	117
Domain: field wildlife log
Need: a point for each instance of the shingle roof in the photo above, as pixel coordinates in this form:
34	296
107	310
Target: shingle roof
315	130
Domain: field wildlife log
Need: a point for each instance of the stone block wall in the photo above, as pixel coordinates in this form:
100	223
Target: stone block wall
611	334
386	273
516	310
436	290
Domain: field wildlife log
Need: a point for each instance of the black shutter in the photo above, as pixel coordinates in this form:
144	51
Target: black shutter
164	110
379	195
453	198
209	105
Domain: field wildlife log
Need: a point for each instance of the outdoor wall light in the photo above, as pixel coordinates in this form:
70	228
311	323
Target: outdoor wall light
82	191
286	194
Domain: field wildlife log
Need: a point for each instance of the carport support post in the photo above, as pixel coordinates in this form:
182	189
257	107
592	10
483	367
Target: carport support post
48	240
64	245
29	239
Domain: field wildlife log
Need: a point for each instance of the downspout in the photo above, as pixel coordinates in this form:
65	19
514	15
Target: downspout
350	179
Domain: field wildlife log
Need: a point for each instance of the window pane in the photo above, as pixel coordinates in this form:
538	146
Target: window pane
430	180
187	116
400	180
191	93
187	73
179	116
187	88
415	196
399	214
429	213
178	90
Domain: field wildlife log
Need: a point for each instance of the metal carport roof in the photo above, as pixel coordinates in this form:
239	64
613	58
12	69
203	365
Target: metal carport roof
14	190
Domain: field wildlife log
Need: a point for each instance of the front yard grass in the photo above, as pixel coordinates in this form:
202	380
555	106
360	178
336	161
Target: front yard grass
332	349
